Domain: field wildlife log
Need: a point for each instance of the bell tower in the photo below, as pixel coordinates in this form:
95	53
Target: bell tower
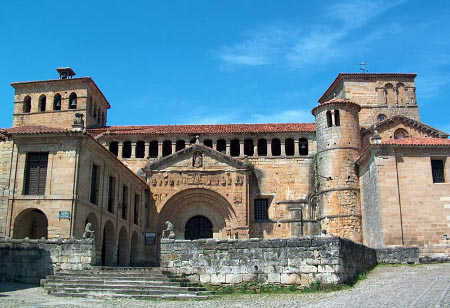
337	186
56	102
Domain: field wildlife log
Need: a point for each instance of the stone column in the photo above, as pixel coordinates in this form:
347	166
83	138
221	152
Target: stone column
255	149
120	150
106	144
174	147
283	147
133	149
147	149
228	147
160	147
241	148
296	148
269	147
214	145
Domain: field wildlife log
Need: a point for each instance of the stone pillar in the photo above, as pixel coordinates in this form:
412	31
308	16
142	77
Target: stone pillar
133	149
214	145
228	147
160	147
241	148
283	147
255	149
174	147
296	148
106	144
120	150
269	147
147	149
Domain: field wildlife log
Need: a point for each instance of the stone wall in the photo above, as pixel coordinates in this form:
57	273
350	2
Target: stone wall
299	260
398	255
31	260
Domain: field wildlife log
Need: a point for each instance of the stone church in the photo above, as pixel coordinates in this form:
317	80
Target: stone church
368	170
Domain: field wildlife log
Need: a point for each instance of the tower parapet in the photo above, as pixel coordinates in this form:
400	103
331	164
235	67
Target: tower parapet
338	147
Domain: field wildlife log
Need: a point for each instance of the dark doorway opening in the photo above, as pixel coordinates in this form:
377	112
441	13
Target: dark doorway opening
198	227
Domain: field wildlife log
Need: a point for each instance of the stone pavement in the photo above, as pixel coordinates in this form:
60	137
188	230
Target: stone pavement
386	286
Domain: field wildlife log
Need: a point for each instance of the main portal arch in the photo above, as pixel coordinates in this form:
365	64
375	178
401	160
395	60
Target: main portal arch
189	203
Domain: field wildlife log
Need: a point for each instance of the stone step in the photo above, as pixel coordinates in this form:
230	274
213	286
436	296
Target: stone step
124	286
109	282
128	291
135	296
137	277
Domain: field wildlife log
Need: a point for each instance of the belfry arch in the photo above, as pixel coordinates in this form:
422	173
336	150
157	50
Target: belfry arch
189	203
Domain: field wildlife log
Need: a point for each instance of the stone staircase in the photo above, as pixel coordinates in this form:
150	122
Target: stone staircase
122	282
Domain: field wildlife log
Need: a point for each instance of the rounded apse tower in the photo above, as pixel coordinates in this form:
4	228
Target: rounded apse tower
337	186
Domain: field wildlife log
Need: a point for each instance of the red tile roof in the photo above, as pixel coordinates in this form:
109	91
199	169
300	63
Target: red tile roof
35	129
424	141
205	129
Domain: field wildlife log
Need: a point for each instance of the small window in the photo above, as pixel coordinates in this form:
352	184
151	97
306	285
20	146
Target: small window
381	117
337	118
140	149
153	149
111	194
437	169
42	103
137	202
329	122
114	148
289	147
303	146
73	101
208	143
126	149
167	148
124	202
221	145
95	177
57	102
181	144
249	148
27	104
261	209
262	147
276	147
36	173
235	148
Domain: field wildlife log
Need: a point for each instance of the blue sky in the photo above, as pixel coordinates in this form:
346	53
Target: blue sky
189	62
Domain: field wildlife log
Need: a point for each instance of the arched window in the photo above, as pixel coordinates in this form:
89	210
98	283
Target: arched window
401	94
167	148
235	147
181	144
381	117
27	104
57	102
153	149
329	118
42	103
390	95
337	118
140	149
289	147
400	134
73	100
98	114
114	148
221	145
94	111
249	148
90	105
303	146
208	143
276	147
262	147
126	150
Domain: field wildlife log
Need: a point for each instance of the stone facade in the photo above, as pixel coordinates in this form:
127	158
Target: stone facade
299	261
32	260
337	176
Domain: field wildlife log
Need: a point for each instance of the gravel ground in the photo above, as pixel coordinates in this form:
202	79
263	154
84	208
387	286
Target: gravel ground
386	286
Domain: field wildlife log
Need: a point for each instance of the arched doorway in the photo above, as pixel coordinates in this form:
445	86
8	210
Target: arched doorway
108	256
198	227
122	249
31	223
134	249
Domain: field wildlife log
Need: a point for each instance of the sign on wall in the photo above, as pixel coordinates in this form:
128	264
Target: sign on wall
64	215
150	238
